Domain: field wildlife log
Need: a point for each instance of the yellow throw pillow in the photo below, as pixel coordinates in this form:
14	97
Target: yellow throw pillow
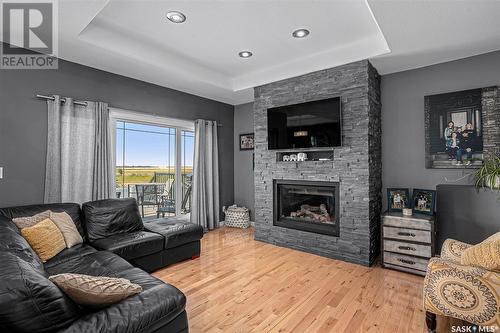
95	291
29	221
45	238
68	228
485	254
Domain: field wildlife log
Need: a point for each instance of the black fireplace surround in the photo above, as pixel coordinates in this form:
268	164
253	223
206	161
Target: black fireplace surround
310	206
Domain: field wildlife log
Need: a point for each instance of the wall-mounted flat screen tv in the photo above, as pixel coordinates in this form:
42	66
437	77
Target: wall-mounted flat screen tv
305	125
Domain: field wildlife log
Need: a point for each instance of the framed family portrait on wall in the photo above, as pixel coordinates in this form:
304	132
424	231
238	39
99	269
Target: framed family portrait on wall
424	201
247	141
454	129
397	199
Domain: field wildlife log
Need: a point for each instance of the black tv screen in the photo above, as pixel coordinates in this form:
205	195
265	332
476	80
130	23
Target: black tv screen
305	125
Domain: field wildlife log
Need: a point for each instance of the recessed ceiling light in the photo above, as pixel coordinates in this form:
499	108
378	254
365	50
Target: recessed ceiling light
245	54
176	17
300	33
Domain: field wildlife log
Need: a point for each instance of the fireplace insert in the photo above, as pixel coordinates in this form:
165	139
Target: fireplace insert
307	205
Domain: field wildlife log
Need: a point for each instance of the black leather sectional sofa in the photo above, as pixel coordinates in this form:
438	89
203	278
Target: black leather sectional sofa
117	244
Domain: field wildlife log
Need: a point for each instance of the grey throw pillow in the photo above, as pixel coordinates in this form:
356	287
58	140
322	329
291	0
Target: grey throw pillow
68	228
29	221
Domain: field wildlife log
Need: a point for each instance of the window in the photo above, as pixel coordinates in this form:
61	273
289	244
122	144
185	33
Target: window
154	162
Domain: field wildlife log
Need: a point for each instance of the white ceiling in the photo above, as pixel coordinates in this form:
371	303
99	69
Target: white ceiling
422	33
134	38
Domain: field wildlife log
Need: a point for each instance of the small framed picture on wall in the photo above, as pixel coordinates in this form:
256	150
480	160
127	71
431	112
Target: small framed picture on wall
424	201
246	141
397	199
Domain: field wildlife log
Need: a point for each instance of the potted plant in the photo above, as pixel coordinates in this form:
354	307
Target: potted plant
488	175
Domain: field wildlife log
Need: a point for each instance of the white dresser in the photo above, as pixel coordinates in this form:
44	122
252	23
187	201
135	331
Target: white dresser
408	242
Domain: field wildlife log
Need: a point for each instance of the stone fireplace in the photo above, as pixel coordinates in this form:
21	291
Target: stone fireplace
306	205
326	207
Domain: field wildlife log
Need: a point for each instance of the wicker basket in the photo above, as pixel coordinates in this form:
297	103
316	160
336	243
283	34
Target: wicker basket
237	217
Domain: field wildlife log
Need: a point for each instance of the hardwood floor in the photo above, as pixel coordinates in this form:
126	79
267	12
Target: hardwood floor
241	285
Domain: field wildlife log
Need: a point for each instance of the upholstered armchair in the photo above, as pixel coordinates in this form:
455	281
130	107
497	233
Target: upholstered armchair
464	292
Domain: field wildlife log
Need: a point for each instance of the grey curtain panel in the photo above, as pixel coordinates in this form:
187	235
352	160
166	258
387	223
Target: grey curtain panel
78	166
205	194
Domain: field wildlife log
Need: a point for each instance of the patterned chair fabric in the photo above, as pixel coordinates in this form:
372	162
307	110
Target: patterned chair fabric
452	250
464	292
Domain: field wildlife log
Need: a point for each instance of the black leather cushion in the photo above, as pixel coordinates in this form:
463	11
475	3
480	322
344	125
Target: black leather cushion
176	231
7	223
109	217
70	254
131	245
146	312
11	241
158	303
72	209
29	302
150	263
100	263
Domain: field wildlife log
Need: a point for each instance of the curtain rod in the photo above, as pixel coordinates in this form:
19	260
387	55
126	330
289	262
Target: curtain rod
62	99
218	124
80	103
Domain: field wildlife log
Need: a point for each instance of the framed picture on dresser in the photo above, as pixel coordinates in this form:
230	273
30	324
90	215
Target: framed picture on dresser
397	199
423	201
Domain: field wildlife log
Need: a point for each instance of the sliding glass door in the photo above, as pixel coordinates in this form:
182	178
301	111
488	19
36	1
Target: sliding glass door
154	164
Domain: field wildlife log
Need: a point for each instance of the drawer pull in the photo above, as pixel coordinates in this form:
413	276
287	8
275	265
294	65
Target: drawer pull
406	261
409	234
407	248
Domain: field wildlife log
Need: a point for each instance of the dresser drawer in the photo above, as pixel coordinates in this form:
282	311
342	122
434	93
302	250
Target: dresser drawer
412	235
407	222
407	248
405	261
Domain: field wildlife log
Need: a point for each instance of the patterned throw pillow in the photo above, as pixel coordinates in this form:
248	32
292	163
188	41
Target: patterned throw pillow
68	228
29	221
95	291
485	254
45	238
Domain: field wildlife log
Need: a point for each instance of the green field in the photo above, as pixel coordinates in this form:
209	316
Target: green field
135	175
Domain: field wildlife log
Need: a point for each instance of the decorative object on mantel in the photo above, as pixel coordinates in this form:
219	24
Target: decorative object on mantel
407	212
237	217
408	242
293	158
301	157
424	201
488	175
247	141
397	199
286	158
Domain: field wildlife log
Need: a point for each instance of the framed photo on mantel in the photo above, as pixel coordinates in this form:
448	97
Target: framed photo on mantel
247	141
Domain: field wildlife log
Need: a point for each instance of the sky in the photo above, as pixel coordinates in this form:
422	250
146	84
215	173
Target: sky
148	145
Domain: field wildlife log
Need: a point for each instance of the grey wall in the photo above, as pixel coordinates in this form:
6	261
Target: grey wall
23	120
403	132
243	163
